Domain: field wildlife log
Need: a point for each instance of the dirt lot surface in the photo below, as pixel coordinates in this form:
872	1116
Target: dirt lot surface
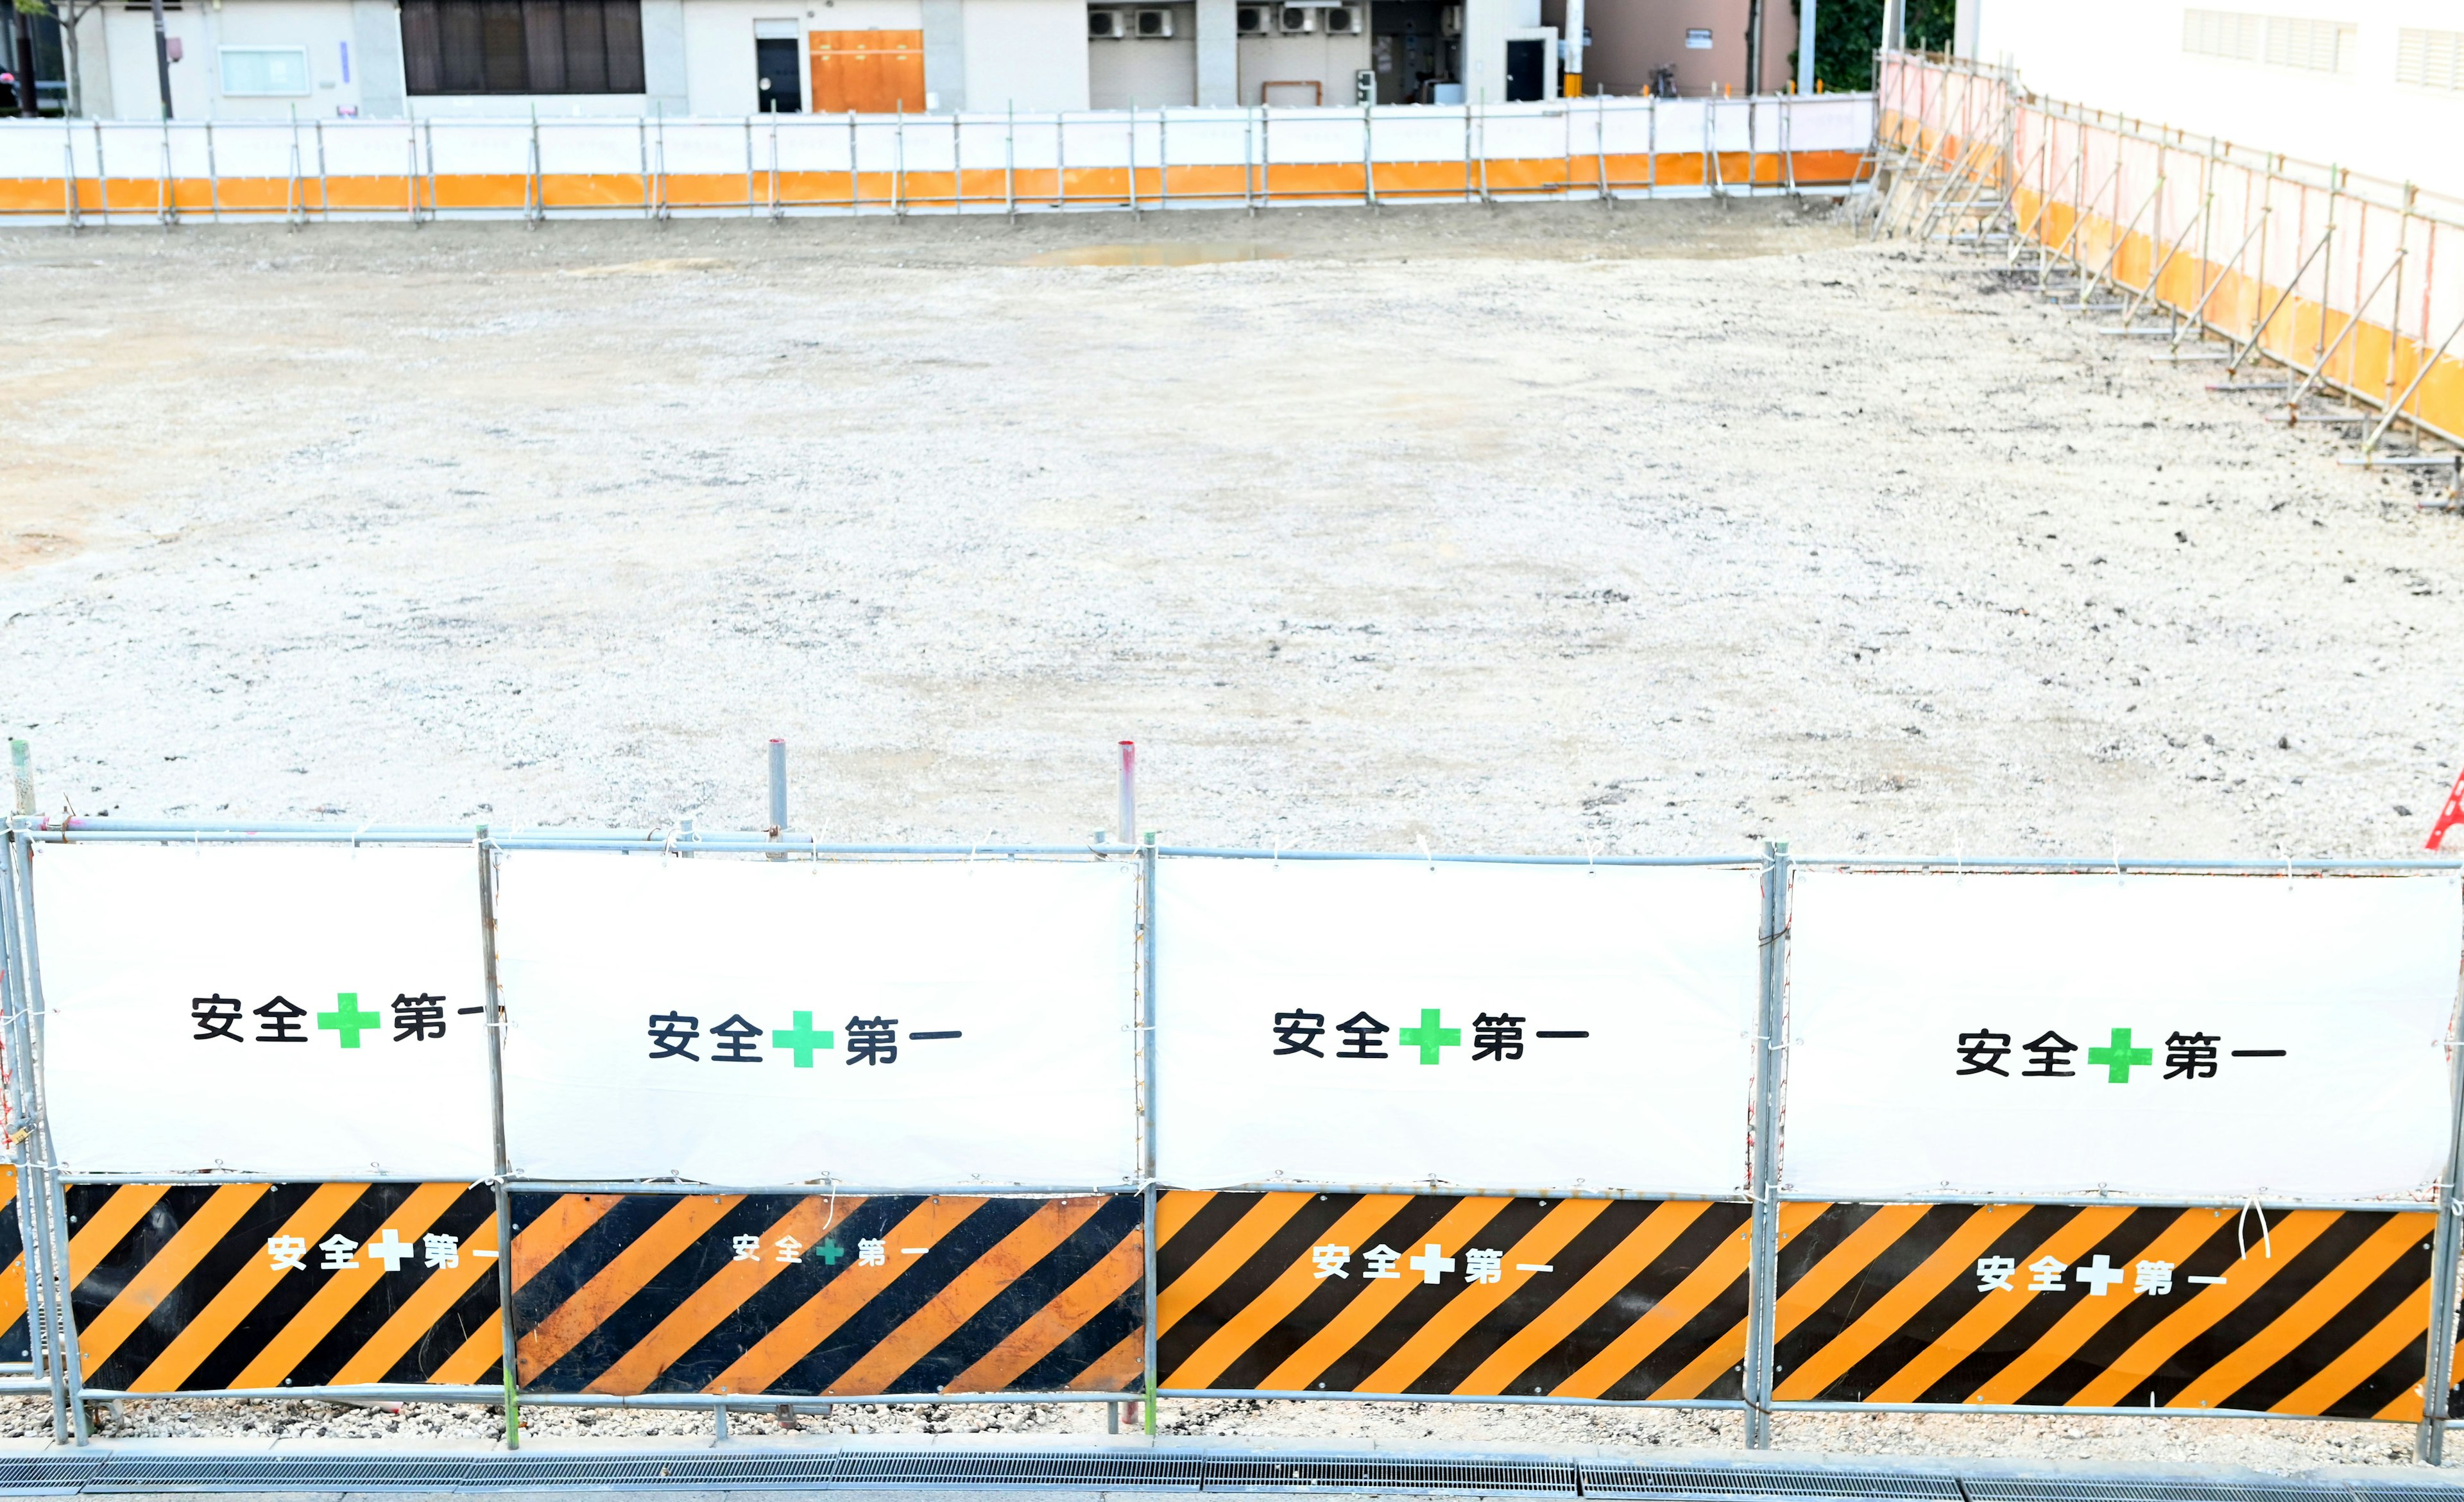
1661	529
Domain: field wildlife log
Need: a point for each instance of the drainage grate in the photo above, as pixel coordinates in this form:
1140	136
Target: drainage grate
125	1473
731	1470
1019	1469
2405	1492
37	1473
1384	1473
2008	1489
1678	1482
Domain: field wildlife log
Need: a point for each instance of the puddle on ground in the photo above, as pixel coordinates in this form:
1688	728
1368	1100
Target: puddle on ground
1183	252
651	267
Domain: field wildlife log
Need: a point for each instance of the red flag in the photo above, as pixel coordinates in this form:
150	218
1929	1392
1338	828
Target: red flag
2450	816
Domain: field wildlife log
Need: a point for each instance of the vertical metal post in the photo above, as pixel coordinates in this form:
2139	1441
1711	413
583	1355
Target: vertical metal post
21	771
213	178
69	176
497	1108
1369	152
2439	1370
778	791
63	1273
1009	163
324	198
1133	170
1805	46
1146	1096
1129	792
33	1206
1770	1053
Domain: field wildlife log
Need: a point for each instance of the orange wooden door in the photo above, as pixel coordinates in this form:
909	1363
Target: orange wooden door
871	72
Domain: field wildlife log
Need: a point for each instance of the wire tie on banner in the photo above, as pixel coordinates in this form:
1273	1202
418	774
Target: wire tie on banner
1424	850
362	830
2267	1241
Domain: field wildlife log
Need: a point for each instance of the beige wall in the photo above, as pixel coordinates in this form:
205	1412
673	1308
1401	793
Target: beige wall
1632	37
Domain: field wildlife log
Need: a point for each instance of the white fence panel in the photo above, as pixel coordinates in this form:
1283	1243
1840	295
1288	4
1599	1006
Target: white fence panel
2147	1035
1469	1027
304	1013
877	1023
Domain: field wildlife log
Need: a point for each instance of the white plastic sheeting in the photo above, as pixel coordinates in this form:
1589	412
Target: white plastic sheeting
880	1025
307	1013
1278	980
2146	1035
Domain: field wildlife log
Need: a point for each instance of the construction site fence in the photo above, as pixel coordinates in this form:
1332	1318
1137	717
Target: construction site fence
674	1292
92	172
2353	284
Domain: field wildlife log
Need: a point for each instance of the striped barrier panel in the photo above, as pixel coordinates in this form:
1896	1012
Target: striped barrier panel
250	1287
822	1295
1472	1296
2321	1314
16	1343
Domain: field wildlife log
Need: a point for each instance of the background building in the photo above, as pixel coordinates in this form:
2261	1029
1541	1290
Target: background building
386	58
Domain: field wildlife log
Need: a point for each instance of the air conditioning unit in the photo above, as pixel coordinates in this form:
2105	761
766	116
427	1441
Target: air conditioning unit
1450	20
1297	20
1153	23
1253	20
1108	25
1343	20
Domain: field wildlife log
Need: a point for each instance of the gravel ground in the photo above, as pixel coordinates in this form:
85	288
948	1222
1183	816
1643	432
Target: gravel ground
1664	528
1653	529
2266	1445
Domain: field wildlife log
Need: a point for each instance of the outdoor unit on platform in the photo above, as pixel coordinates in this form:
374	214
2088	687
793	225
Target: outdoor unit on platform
1343	20
1450	20
1253	20
1108	25
1153	23
1297	20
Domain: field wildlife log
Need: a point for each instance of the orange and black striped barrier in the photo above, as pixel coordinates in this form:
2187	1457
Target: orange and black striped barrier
823	1296
248	1286
16	1344
1470	1296
2322	1313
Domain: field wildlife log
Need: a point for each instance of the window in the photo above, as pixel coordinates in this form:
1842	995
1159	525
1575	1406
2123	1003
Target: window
2284	41
2429	59
523	46
265	69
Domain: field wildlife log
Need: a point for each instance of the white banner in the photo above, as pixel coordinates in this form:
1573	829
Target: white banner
2159	1036
1469	1025
311	1013
881	1023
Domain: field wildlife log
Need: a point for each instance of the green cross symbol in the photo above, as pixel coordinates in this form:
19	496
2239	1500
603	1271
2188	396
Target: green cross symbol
348	1019
1429	1037
830	1253
801	1040
2120	1057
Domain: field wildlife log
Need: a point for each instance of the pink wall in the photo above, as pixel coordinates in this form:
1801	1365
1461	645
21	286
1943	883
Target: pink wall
1632	37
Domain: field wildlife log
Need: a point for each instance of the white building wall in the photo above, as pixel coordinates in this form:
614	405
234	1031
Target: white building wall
1146	72
722	76
2127	55
698	59
1329	59
1026	54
